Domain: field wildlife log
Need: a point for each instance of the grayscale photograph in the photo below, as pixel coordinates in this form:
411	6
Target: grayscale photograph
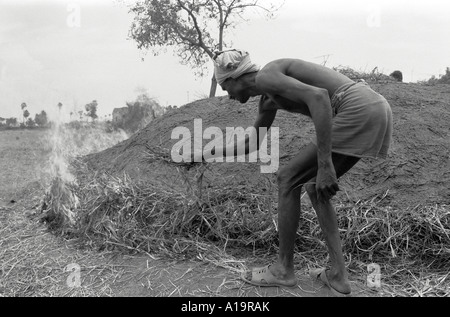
225	155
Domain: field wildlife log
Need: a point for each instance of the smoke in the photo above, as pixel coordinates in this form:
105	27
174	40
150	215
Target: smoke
69	142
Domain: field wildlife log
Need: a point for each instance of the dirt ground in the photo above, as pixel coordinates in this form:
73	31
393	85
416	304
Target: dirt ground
33	262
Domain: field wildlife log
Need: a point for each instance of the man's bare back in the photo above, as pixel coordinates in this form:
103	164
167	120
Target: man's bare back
305	72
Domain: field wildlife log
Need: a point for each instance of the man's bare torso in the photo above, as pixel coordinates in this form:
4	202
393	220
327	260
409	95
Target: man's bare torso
308	73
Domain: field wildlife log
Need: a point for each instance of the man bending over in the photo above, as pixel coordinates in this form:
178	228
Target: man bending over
351	122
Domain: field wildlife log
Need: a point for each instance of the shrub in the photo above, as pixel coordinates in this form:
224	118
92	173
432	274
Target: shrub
397	75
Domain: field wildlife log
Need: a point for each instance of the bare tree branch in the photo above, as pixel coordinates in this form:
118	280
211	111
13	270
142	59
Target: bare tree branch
200	42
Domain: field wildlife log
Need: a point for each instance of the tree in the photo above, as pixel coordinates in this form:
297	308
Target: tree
188	25
138	114
11	122
445	79
30	123
23	105
26	114
91	110
41	119
397	75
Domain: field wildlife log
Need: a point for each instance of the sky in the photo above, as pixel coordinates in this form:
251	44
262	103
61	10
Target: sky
74	52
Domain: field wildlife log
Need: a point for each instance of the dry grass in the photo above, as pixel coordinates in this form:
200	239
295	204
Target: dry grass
117	213
34	263
374	76
27	147
216	223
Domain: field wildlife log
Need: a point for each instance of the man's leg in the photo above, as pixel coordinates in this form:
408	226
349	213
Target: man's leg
291	179
337	276
300	171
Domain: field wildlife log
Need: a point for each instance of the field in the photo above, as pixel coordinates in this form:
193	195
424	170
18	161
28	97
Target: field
394	213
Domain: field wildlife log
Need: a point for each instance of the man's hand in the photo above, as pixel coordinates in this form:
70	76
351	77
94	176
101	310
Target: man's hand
326	183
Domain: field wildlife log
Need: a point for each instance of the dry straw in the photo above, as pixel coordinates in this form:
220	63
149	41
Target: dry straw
374	76
213	223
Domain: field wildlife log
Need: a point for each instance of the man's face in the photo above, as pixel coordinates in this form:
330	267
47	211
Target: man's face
235	90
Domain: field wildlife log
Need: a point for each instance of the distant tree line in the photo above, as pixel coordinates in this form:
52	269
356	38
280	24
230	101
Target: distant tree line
442	79
135	116
41	119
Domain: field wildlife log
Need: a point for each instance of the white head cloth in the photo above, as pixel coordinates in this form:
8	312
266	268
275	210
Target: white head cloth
232	64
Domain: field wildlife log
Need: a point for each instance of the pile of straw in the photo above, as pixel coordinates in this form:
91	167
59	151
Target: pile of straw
117	213
420	234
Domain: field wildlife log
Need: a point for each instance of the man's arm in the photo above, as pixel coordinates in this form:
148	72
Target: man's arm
264	119
318	102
